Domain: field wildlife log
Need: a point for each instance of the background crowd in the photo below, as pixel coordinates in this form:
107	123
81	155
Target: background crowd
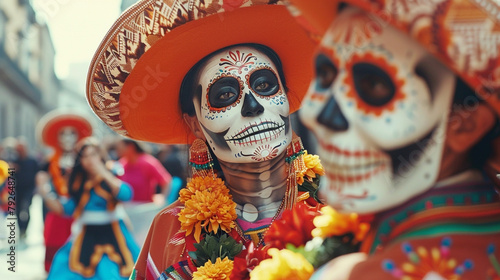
161	168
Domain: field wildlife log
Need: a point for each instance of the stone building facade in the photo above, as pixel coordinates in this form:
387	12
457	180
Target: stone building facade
28	84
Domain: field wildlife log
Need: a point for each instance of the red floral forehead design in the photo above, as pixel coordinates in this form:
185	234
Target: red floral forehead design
356	32
237	61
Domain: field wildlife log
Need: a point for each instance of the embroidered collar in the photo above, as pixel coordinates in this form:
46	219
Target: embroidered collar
433	204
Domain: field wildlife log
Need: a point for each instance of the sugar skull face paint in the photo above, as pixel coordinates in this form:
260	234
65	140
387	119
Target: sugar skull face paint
378	106
244	110
67	138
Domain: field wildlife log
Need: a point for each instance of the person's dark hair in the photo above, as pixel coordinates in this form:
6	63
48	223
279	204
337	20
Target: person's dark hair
191	88
137	147
79	175
466	98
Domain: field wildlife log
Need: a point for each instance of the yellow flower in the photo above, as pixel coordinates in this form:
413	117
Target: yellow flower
333	223
220	270
284	264
300	178
312	167
200	184
209	211
4	171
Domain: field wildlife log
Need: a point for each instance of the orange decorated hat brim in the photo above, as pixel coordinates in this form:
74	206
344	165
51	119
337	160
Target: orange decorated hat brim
148	103
53	122
463	34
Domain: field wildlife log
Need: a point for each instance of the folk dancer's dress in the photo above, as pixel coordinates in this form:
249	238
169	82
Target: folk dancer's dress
101	246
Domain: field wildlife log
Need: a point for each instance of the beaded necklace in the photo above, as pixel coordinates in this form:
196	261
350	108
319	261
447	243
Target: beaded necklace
202	164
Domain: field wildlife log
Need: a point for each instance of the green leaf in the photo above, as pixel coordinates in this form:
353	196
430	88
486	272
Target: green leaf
193	256
310	255
311	187
333	247
215	246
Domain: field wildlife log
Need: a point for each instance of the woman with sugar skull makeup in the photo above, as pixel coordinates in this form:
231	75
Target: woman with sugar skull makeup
405	107
212	75
59	130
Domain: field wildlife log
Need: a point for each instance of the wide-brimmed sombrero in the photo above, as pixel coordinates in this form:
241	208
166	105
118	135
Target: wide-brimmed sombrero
135	76
463	34
50	124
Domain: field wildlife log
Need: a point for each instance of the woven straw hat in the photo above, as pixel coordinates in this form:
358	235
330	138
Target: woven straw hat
135	76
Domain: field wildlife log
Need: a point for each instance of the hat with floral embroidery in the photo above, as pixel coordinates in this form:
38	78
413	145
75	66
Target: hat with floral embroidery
135	76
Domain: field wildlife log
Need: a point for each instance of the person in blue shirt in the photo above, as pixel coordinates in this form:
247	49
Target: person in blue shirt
100	246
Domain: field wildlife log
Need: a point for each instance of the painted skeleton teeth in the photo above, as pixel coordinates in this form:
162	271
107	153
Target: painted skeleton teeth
351	165
257	132
259	137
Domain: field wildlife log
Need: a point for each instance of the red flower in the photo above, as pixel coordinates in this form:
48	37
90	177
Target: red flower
230	5
294	227
247	260
235	235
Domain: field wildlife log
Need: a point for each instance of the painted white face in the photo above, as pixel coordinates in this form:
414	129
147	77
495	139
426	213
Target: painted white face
244	110
67	138
378	107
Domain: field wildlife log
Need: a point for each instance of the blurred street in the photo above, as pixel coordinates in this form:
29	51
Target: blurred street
30	253
45	49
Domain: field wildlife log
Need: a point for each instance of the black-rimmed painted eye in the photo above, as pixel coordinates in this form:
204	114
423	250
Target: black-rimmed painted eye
326	72
374	86
224	92
264	82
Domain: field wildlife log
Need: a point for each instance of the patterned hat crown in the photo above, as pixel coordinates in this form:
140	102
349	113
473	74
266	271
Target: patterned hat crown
134	79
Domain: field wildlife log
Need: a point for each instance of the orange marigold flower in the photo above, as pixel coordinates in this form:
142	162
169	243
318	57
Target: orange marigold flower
220	270
312	167
333	223
200	184
208	211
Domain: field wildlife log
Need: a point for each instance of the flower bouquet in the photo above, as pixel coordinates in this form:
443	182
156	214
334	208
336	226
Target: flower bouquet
302	239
